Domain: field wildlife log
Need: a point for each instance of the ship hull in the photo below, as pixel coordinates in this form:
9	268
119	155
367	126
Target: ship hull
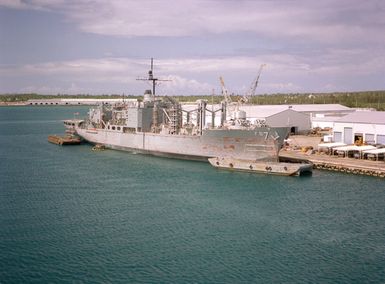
258	144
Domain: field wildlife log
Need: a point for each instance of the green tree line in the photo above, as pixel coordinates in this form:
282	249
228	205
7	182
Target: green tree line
367	99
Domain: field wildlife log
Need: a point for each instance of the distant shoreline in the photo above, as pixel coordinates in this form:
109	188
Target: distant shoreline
363	99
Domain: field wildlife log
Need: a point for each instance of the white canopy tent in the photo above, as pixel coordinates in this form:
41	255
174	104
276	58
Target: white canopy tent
353	148
329	146
377	153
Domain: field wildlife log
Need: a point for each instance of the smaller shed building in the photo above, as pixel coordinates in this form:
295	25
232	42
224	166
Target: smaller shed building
279	116
299	123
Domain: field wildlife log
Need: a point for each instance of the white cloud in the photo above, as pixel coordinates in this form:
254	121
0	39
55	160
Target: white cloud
183	86
283	73
191	76
117	75
89	68
329	21
15	4
285	88
71	88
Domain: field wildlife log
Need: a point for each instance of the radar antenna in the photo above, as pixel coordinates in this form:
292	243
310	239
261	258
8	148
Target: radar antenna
151	77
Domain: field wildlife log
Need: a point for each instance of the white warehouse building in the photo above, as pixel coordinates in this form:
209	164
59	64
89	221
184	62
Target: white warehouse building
320	115
366	126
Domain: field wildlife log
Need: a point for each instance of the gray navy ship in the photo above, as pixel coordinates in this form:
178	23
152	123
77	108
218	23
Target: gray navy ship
161	127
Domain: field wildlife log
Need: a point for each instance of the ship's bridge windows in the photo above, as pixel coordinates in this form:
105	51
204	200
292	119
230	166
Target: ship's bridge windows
118	127
113	127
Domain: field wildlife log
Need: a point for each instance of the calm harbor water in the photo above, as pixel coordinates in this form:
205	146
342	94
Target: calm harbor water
71	215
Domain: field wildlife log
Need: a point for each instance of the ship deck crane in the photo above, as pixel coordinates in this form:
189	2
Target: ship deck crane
225	92
251	92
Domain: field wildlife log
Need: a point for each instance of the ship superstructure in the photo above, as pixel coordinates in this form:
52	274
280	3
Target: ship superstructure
162	127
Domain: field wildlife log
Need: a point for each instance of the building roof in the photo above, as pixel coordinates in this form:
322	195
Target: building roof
321	108
263	111
325	119
371	117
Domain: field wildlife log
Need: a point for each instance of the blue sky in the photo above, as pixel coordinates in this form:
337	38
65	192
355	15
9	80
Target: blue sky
101	47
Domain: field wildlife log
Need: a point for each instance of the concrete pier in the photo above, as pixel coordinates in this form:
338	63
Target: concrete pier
335	163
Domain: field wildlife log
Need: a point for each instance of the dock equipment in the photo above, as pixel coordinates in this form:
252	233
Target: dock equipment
64	140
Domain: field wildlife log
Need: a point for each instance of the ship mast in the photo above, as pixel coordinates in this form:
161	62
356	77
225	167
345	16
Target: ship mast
152	78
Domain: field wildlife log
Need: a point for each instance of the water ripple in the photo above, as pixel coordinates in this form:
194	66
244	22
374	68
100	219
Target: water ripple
68	214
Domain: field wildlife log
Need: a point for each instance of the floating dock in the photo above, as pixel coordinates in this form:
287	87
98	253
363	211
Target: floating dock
272	168
64	140
335	163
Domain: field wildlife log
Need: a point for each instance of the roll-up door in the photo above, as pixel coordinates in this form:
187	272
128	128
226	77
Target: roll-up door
381	139
369	138
337	136
348	135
